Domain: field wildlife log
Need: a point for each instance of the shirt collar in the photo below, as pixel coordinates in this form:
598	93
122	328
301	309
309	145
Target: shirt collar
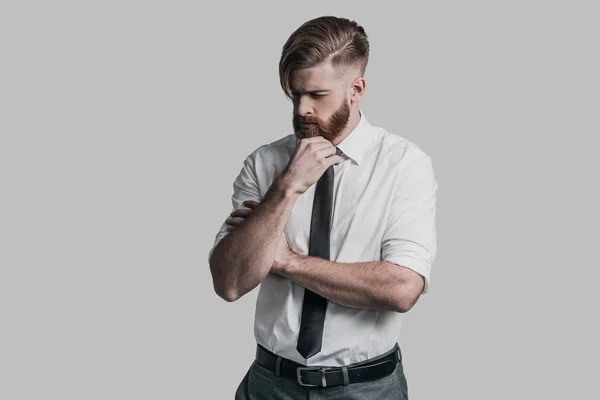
358	141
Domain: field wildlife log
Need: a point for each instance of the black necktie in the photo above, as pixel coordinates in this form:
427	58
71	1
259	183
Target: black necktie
314	305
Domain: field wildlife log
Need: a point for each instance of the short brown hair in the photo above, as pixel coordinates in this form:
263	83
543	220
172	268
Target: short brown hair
339	40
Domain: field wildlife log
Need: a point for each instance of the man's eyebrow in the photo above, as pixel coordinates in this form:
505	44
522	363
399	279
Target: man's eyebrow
318	91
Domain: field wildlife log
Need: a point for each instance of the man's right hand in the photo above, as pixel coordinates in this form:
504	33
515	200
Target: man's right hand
308	162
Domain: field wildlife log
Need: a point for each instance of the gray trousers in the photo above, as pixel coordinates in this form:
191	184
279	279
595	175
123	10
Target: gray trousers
260	383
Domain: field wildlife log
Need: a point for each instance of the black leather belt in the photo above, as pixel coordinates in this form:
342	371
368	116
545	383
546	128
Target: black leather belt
321	376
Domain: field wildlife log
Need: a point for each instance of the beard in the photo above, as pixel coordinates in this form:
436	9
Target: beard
329	129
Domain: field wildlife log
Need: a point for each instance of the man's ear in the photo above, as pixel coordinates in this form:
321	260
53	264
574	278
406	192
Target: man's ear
358	89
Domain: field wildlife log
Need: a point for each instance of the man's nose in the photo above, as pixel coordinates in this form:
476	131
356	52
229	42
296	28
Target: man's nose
304	107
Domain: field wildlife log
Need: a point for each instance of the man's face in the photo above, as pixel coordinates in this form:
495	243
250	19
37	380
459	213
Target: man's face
321	107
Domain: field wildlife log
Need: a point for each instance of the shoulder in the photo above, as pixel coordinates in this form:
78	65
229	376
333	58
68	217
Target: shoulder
268	151
399	151
410	167
268	160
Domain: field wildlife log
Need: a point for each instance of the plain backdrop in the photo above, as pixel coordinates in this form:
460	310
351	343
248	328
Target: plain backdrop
124	123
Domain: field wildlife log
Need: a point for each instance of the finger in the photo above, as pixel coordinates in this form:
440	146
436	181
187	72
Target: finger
327	151
314	139
312	144
251	203
333	160
329	156
241	213
234	221
319	145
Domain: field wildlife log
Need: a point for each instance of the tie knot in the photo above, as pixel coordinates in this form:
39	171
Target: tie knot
338	151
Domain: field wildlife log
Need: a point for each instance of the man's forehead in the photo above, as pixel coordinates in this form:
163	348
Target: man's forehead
313	79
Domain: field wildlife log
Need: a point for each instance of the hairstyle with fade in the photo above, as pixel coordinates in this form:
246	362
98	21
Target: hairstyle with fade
326	38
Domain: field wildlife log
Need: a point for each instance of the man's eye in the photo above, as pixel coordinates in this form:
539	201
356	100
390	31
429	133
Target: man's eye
318	96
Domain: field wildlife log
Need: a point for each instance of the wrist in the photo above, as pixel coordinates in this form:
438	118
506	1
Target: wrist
286	266
290	263
285	186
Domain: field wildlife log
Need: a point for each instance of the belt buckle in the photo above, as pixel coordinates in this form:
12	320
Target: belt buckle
321	369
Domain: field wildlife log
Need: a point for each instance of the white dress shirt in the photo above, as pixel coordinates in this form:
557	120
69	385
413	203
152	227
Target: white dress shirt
383	210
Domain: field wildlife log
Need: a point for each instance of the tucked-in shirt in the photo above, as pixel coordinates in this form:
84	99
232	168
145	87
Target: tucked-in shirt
384	200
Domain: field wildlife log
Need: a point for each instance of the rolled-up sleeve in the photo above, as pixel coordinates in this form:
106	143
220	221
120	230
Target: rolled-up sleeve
409	238
245	187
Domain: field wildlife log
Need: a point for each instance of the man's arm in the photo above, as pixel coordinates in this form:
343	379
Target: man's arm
408	248
367	285
243	258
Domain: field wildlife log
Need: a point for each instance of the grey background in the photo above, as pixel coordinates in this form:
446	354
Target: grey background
124	124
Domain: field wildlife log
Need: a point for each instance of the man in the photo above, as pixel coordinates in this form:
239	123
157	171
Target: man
336	224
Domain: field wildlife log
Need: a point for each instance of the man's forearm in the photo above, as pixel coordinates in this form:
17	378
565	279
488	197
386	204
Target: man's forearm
243	258
377	285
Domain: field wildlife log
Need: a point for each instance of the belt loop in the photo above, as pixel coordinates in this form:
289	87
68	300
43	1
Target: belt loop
345	373
278	366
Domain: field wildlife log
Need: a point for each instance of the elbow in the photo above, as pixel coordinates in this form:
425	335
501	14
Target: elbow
222	288
404	304
232	286
225	290
228	294
406	290
407	296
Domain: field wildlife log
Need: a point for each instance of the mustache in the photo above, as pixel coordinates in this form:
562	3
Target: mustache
305	120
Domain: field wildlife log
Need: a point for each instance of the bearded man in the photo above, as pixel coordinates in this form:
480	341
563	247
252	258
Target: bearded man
335	224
